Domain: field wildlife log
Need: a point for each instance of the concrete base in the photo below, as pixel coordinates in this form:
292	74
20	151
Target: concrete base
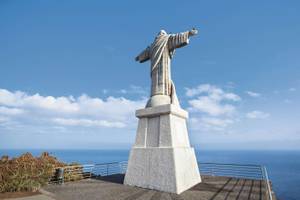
161	157
166	169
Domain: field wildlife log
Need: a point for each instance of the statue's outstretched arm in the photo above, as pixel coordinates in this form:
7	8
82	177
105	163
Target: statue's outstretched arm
180	39
144	56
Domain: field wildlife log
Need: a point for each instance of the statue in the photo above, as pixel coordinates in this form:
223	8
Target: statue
162	157
160	53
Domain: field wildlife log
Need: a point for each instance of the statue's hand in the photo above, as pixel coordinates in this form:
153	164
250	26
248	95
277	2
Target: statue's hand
193	32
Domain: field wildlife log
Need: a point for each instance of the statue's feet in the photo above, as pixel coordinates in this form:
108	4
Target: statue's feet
158	100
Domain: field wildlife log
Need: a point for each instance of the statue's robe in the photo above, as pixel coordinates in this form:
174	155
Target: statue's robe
160	53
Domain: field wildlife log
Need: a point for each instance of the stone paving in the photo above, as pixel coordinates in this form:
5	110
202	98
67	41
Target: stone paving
111	188
34	197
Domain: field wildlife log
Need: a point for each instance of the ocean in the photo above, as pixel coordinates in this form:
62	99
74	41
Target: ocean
283	166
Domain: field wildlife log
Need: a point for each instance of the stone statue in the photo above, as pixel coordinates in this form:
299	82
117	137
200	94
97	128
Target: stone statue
162	157
160	53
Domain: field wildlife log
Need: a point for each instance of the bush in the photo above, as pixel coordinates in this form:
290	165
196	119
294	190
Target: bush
26	173
73	172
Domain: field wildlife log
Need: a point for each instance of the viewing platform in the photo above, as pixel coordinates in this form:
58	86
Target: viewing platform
219	182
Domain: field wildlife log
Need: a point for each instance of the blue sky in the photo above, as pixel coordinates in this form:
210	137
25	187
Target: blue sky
68	78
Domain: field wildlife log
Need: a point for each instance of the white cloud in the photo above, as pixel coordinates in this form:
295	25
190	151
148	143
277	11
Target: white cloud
84	111
292	89
138	90
210	123
217	121
212	108
123	91
88	122
287	101
213	100
10	111
36	101
253	94
190	92
213	91
3	119
131	90
256	114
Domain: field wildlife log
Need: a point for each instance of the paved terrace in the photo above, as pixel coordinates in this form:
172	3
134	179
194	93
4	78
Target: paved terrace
111	188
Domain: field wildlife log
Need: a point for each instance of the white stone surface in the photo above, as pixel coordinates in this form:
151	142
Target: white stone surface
161	110
161	157
158	100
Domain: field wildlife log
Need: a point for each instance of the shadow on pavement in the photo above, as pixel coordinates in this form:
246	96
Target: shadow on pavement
115	178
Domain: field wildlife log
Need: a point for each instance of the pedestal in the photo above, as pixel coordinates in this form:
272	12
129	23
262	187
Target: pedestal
161	157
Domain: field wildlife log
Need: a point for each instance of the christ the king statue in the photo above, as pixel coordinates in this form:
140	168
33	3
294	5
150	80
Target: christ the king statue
162	157
160	53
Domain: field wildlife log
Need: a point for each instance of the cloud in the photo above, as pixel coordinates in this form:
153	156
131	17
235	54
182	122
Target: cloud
3	119
210	123
256	114
86	111
292	89
88	123
253	94
212	90
138	90
131	90
10	111
123	91
213	100
190	92
22	100
287	101
211	107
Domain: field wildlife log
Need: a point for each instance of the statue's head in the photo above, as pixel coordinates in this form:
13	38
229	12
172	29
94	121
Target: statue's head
162	32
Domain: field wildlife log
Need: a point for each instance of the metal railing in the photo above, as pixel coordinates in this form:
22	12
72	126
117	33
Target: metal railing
232	170
71	173
106	169
253	172
78	172
249	171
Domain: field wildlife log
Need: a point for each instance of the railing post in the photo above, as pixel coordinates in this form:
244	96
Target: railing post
91	170
60	175
268	183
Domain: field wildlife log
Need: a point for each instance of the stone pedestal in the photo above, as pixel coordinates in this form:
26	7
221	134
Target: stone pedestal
162	158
